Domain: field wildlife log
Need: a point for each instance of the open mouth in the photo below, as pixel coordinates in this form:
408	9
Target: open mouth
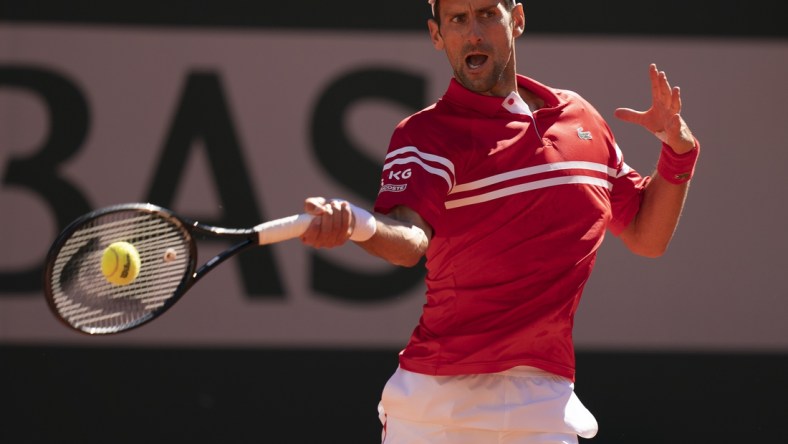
475	61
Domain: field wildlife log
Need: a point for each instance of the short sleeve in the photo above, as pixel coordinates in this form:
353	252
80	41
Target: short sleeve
414	177
626	195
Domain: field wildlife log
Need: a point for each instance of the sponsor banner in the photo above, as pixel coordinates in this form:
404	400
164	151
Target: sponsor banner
235	127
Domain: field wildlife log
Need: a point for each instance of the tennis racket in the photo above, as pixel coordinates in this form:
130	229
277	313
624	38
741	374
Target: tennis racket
79	294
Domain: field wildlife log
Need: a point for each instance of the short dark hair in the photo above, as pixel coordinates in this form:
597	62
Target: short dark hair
436	9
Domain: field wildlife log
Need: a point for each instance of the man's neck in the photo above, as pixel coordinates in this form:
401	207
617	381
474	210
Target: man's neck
534	102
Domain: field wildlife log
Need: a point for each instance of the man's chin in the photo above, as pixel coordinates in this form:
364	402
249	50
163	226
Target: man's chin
476	83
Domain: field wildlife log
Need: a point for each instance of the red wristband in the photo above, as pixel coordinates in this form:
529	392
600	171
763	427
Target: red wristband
677	168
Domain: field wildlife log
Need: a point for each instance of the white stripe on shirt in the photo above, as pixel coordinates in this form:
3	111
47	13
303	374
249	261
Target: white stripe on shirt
446	163
530	171
445	170
521	188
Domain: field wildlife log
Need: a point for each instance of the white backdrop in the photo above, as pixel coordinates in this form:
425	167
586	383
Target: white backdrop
720	286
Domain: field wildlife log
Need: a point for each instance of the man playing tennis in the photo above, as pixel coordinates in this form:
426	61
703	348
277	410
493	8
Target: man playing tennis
507	186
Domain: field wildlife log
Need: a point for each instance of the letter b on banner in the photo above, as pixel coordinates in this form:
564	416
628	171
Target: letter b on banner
38	172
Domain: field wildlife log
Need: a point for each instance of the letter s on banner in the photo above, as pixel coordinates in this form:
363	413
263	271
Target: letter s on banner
335	151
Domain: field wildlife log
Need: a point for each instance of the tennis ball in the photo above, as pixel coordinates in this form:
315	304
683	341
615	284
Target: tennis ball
120	263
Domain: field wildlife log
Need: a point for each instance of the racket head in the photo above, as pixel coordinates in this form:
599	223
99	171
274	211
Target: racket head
81	297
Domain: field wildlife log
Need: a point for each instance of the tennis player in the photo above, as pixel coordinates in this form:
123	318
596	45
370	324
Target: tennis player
508	187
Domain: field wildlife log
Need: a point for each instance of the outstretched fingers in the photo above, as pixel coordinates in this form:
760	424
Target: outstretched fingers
676	103
665	104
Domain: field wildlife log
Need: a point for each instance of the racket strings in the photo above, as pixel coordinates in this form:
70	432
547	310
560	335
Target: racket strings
84	297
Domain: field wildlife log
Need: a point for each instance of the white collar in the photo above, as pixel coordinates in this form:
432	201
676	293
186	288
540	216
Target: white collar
515	104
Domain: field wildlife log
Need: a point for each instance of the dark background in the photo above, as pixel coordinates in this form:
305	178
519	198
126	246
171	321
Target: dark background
733	18
98	395
202	395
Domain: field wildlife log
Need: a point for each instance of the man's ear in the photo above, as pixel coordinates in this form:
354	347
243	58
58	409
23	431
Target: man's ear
518	20
435	34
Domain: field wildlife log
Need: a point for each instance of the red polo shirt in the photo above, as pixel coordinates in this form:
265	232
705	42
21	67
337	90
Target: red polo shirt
519	204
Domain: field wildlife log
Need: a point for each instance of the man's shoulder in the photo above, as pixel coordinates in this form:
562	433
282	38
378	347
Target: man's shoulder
421	119
569	95
551	94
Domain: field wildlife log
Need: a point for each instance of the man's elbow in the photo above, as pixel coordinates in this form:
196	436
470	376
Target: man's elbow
650	251
407	261
649	244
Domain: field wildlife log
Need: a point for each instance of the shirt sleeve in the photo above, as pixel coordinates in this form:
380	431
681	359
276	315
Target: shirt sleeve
414	177
627	194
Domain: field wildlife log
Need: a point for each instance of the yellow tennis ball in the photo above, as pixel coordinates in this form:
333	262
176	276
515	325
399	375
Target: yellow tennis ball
120	263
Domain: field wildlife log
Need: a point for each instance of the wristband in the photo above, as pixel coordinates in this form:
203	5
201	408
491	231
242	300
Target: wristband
365	224
677	168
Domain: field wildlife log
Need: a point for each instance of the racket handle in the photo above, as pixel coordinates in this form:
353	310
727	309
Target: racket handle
294	226
283	229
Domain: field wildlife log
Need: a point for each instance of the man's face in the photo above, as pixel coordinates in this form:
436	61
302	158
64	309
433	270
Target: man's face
478	38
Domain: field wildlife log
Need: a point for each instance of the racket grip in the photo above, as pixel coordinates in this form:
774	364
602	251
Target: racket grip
283	229
291	227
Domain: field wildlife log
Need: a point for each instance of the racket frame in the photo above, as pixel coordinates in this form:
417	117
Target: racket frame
244	237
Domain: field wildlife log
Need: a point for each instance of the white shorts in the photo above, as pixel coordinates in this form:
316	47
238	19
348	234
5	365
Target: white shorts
523	405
